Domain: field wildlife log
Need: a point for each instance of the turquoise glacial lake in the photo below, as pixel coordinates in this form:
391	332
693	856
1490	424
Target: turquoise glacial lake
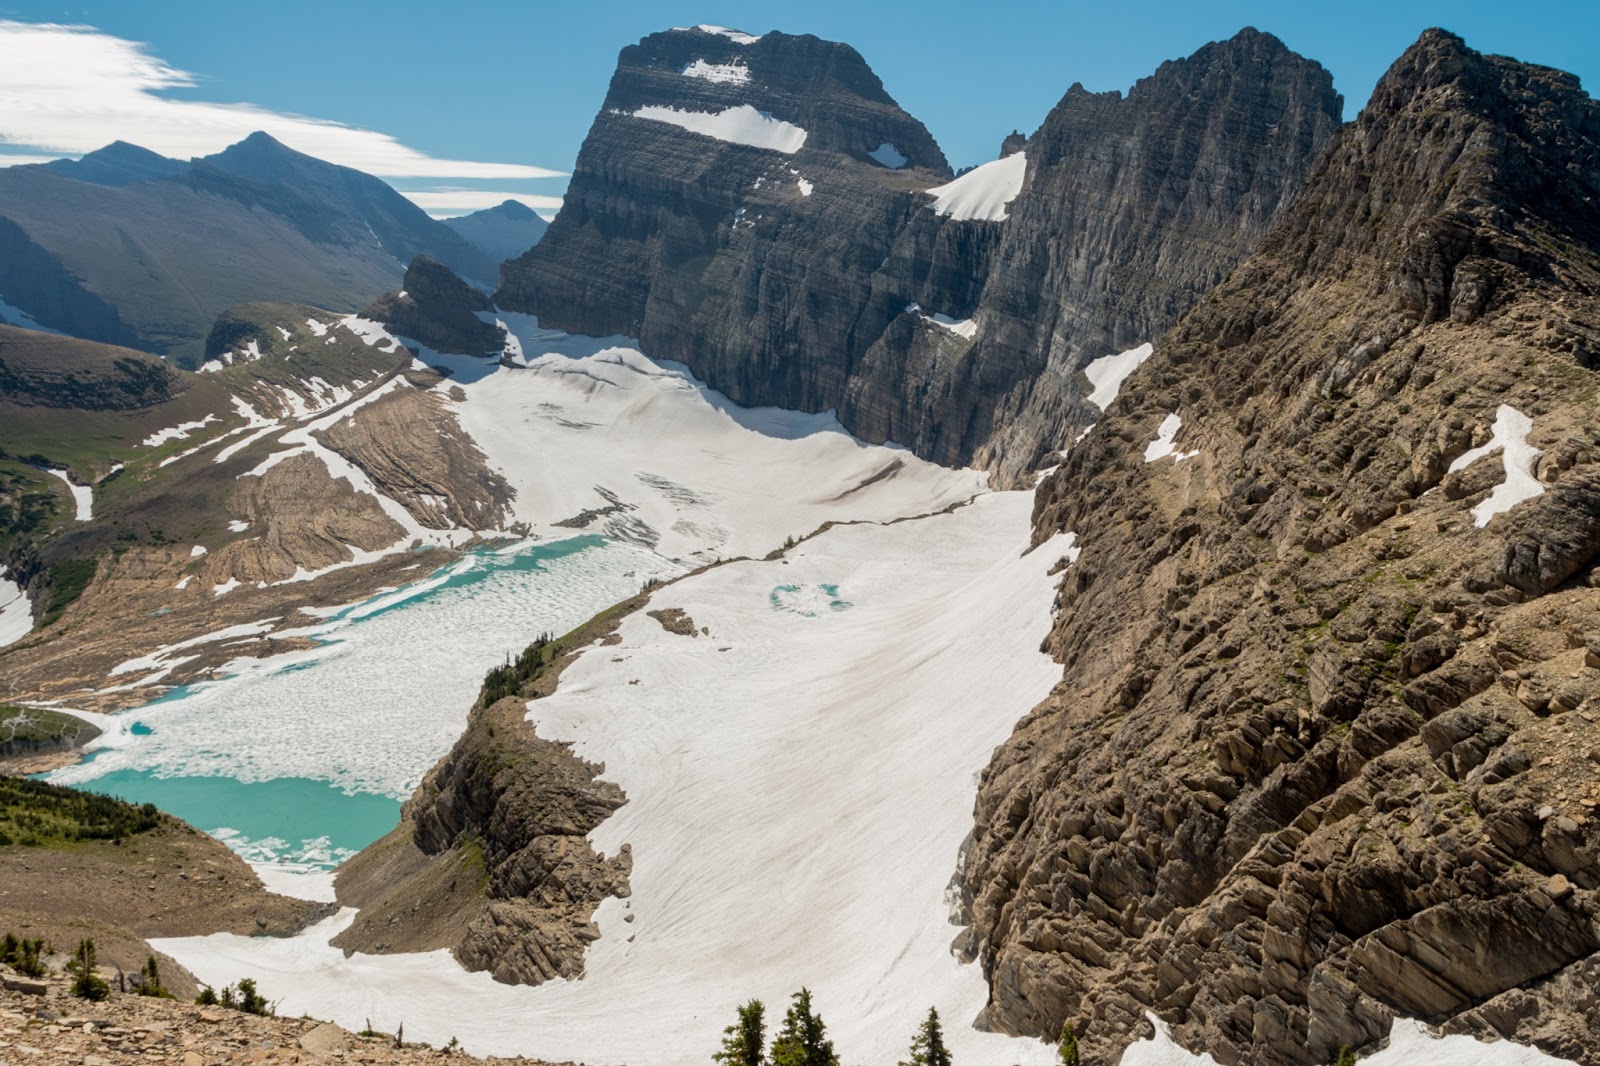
305	759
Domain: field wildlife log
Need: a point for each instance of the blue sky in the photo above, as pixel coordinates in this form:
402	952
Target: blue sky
507	82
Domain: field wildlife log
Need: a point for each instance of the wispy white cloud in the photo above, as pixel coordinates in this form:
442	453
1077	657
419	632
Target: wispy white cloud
18	159
72	89
445	202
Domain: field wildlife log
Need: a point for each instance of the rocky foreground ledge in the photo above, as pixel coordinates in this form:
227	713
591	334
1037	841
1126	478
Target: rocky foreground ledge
46	1024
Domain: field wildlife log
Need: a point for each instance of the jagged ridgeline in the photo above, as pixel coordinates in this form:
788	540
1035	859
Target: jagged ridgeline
760	209
1323	754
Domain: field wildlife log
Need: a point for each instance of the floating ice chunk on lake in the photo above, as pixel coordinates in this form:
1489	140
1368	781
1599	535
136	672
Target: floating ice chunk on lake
736	36
1108	372
718	73
82	495
1517	456
178	432
16	613
1162	446
982	193
735	125
888	155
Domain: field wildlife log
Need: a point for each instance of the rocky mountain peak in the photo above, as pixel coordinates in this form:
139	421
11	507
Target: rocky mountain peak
118	163
759	208
1296	783
823	87
439	309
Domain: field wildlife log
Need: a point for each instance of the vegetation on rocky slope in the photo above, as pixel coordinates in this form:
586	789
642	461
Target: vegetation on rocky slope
37	813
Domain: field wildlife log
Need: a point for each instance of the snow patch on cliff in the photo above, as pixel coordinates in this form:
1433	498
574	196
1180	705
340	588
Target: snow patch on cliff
718	73
736	36
16	613
1517	457
1108	372
1162	446
982	193
82	495
735	125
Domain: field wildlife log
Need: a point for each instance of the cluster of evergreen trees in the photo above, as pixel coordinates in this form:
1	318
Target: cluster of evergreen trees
803	1040
24	955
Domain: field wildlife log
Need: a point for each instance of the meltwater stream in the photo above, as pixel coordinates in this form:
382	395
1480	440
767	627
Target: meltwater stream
303	759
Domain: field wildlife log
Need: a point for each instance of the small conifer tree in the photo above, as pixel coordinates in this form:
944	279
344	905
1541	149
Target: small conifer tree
249	1000
1068	1049
150	980
1346	1057
803	1039
927	1047
207	997
88	984
744	1042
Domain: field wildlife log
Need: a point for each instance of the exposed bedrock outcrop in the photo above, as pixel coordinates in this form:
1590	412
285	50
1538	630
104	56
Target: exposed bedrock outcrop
1325	749
491	858
436	307
786	278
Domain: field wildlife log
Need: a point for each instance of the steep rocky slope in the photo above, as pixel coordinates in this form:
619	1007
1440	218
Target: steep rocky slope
785	274
491	858
1134	207
123	248
1324	750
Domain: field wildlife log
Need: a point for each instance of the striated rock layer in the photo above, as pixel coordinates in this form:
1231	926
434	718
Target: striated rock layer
786	277
1325	749
491	858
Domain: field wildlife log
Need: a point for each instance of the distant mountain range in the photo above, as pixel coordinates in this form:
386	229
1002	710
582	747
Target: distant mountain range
501	232
128	247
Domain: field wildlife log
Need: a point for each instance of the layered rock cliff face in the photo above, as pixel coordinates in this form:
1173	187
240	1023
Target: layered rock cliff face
1325	749
784	275
1134	208
753	264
